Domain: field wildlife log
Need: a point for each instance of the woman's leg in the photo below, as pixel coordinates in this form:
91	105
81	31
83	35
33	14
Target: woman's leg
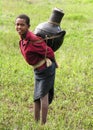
37	110
44	108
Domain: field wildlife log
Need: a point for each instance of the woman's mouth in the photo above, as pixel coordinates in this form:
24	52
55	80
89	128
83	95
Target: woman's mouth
20	31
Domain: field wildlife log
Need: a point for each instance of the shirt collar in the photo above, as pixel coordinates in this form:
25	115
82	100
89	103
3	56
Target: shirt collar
27	38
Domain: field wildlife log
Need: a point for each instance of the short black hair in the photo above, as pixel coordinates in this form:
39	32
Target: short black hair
24	16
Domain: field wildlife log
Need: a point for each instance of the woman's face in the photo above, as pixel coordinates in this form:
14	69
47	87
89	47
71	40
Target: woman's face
21	26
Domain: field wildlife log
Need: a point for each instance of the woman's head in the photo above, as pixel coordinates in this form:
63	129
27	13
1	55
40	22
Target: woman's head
22	24
25	17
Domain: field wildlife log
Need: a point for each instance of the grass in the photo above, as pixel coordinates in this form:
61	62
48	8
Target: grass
72	107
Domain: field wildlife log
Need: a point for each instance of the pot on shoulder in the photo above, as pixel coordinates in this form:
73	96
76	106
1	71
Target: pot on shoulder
51	30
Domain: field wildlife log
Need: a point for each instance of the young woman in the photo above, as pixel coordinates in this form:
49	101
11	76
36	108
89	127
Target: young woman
37	54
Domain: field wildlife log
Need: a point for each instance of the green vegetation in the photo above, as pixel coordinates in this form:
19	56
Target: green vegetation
72	108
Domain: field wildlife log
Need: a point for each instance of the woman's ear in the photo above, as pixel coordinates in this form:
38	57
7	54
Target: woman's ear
28	26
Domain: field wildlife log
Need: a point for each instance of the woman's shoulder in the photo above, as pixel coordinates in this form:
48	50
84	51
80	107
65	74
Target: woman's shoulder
30	35
34	38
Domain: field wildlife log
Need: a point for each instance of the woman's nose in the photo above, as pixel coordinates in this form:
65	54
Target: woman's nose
19	26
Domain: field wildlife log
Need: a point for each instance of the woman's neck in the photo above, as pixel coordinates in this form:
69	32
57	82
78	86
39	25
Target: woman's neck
23	36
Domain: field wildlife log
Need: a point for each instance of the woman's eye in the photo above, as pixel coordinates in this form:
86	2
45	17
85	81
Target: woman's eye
19	24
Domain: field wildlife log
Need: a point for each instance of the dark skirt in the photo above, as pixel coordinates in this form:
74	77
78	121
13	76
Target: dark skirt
44	82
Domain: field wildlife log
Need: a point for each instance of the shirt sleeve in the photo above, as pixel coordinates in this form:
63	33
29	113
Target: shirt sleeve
43	50
38	51
35	51
41	47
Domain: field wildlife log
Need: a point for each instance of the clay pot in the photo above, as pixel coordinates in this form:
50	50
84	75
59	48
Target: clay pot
52	30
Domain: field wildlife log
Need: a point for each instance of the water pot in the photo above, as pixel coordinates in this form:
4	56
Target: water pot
51	30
